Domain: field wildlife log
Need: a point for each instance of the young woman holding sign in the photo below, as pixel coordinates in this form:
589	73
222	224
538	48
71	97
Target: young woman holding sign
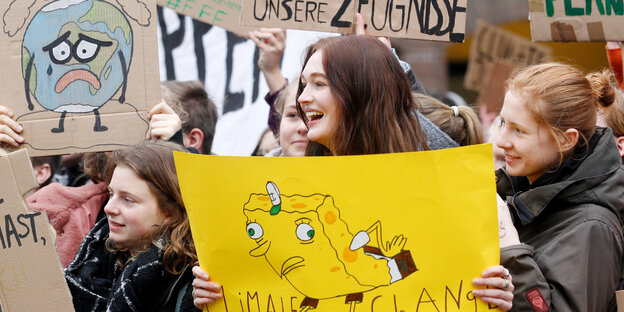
355	99
138	258
564	185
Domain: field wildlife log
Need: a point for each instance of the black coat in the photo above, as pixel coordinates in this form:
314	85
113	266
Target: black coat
97	284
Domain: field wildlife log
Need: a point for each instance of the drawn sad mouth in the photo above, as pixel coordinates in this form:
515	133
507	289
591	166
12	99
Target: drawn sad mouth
77	74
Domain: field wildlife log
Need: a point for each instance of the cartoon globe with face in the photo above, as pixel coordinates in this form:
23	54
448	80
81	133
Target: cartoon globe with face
75	57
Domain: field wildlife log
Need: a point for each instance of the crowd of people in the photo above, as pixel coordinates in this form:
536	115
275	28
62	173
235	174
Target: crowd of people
124	236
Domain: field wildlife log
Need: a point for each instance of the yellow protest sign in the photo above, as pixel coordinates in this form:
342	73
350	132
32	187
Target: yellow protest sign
386	232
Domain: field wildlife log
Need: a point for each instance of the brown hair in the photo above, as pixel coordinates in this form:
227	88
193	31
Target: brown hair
191	102
614	115
153	162
562	97
375	102
465	128
280	102
98	166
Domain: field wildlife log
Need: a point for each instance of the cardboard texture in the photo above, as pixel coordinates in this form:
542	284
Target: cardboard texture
340	233
31	275
493	94
222	13
440	20
576	20
492	44
619	296
79	75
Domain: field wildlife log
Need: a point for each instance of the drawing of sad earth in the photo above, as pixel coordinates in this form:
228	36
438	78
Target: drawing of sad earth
75	58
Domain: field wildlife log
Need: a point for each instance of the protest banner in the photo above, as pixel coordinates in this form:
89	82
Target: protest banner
79	75
441	20
492	44
577	20
222	13
493	93
31	275
391	232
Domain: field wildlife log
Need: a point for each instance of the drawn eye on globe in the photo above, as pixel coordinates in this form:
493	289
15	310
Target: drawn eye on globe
76	54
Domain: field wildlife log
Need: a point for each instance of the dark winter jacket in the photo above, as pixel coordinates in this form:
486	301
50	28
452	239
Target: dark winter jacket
97	284
570	223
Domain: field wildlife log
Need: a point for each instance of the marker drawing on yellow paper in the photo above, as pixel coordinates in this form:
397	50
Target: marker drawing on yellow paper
322	247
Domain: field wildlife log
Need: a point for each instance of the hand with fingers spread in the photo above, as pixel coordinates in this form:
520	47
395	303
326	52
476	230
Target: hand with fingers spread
9	129
163	122
499	288
204	290
271	42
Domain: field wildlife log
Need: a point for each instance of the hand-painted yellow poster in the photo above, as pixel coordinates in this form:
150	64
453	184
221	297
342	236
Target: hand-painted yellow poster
394	232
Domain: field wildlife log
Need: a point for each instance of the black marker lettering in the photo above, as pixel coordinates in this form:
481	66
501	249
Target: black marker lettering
286	7
266	5
310	11
336	22
10	229
297	9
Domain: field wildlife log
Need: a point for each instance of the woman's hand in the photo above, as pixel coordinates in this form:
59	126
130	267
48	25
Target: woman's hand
507	233
9	128
499	290
163	122
204	291
360	29
272	43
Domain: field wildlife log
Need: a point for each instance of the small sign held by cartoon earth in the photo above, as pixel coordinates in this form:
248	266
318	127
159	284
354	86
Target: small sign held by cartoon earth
79	75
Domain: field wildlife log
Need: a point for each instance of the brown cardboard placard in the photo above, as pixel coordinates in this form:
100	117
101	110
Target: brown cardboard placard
493	94
576	20
79	75
492	44
619	297
317	15
440	20
222	13
31	275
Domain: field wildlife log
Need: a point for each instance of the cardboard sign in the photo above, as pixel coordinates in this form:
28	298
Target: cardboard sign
79	75
493	95
31	275
222	13
576	20
441	20
492	44
344	233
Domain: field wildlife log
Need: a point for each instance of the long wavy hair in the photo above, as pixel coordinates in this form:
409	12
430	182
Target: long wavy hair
153	162
375	103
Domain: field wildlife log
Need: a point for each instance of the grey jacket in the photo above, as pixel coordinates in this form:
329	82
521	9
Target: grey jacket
570	223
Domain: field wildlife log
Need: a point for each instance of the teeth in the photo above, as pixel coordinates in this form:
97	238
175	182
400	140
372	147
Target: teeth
310	114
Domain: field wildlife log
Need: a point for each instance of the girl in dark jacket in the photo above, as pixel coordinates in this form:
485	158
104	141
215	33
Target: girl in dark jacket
564	184
139	257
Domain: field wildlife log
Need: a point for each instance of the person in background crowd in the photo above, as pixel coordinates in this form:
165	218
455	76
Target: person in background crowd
564	184
461	123
197	113
44	168
138	258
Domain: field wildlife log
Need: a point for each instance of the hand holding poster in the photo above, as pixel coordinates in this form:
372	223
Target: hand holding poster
31	276
441	20
576	20
392	232
79	75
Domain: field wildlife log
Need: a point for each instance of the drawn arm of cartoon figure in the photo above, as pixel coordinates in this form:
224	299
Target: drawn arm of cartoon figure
389	249
124	69
9	128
